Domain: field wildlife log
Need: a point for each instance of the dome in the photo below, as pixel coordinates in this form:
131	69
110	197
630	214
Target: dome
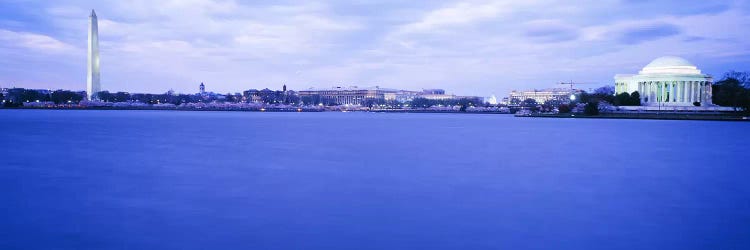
669	61
670	65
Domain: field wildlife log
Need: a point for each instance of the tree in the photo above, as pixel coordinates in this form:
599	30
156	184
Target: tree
622	99
564	109
605	90
122	96
602	94
515	101
106	96
742	77
421	102
372	102
605	93
529	102
65	96
625	99
591	108
11	104
230	98
730	92
635	99
464	103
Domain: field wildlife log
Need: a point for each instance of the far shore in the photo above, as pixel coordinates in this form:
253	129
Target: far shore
651	116
707	116
271	110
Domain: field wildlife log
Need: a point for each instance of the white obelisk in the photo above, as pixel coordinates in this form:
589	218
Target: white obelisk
93	86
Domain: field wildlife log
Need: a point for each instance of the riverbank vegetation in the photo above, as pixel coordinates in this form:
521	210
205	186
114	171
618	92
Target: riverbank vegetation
733	90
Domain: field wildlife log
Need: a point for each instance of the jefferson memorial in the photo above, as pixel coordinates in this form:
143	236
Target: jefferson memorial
668	81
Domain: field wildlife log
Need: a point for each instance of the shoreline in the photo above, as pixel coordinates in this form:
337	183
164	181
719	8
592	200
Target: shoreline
640	116
650	116
266	110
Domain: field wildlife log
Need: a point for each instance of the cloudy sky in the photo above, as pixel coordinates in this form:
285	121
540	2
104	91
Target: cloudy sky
466	47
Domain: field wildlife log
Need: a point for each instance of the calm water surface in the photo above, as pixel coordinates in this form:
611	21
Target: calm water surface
235	180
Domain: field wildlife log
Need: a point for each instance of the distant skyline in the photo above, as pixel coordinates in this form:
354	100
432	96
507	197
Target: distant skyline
465	47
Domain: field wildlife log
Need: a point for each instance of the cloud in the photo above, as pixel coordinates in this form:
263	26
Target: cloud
464	46
461	13
685	7
635	35
32	41
694	39
550	31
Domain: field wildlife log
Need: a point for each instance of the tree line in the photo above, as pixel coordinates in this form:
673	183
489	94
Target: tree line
733	90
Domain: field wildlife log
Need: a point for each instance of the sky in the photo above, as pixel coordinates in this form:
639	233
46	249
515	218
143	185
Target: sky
481	48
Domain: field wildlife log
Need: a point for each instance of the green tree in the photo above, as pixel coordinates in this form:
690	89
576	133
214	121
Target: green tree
635	99
65	96
742	77
529	103
605	90
564	108
625	99
515	101
730	92
122	96
105	96
591	108
602	94
30	95
622	99
421	102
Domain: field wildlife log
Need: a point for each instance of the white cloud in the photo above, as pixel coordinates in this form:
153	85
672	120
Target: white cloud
458	14
32	41
469	46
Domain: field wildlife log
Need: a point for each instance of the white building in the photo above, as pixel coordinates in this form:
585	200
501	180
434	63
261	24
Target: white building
352	95
668	81
401	96
543	95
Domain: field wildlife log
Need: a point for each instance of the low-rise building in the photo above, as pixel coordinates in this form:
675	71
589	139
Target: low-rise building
401	96
542	96
352	95
439	94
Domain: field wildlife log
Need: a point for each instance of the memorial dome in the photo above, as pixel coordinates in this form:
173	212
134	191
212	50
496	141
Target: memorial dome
669	61
670	65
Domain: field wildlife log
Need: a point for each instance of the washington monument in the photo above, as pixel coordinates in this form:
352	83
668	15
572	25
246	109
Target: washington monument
93	86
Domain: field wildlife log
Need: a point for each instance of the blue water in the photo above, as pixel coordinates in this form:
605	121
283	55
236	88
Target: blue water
236	180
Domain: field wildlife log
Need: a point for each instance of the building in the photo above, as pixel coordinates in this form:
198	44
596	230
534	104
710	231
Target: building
438	97
93	84
401	96
433	91
542	96
436	94
202	89
505	101
352	95
668	81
